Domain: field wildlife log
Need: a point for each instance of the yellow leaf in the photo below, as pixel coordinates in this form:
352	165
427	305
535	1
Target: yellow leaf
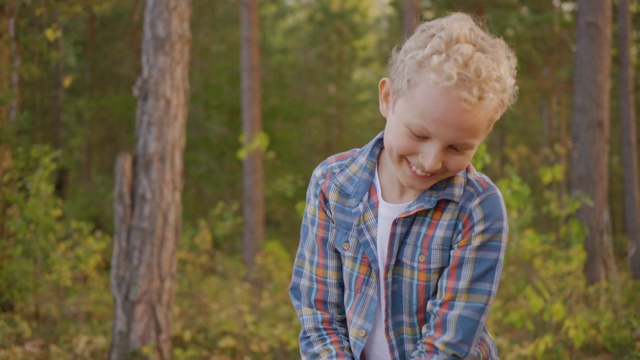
227	342
53	33
50	34
56	212
67	81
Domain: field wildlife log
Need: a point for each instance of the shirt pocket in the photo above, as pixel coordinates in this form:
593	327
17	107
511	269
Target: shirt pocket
419	267
433	255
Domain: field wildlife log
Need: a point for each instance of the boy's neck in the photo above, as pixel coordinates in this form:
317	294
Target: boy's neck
390	189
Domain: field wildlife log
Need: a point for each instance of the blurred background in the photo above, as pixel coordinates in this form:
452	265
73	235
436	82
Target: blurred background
68	109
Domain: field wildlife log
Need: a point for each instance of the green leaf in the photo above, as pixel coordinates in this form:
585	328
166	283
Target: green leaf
259	143
557	311
53	33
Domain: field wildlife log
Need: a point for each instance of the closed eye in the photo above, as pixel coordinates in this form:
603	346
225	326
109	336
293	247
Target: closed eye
460	148
417	136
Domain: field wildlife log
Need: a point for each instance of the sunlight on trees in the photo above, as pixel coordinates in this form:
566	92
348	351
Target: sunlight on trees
74	64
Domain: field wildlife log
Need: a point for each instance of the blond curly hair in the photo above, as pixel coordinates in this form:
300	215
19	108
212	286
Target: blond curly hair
456	51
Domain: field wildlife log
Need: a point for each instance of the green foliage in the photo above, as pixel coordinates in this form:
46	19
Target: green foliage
98	63
259	143
320	66
30	221
544	309
219	313
481	158
223	311
50	267
219	232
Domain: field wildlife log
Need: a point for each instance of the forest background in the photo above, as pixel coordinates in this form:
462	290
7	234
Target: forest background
70	111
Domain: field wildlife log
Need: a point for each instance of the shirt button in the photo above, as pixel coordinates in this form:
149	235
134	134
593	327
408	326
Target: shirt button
345	246
421	258
362	333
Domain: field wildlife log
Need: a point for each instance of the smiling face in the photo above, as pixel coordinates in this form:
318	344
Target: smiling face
429	136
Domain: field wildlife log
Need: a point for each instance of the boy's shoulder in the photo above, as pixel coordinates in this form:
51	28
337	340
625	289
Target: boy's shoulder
477	182
351	164
479	190
335	164
466	188
338	161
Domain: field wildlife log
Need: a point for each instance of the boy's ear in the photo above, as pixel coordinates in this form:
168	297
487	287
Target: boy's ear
384	96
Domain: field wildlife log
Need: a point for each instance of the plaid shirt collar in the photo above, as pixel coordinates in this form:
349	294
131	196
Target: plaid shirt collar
355	178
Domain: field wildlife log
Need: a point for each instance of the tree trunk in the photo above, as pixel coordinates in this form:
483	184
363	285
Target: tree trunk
57	88
147	204
10	15
89	113
628	137
410	17
252	167
58	91
590	129
8	12
475	7
5	59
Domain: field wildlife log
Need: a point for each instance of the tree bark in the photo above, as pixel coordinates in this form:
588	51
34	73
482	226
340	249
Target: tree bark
57	72
628	137
88	138
590	130
10	15
252	166
475	7
121	280
5	58
410	17
8	12
58	93
147	204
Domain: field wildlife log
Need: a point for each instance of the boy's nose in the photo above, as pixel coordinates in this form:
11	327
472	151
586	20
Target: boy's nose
431	160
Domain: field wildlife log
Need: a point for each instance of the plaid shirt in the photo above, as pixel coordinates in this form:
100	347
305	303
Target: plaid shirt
443	267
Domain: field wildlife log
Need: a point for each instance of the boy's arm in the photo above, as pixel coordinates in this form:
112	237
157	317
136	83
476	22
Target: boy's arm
467	286
317	287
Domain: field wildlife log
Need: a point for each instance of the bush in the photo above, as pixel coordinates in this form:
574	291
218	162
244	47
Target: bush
224	313
55	300
544	308
53	270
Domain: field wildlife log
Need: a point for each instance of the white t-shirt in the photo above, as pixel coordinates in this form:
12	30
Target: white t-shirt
376	347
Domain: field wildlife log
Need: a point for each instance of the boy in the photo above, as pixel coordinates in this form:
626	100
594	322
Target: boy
402	241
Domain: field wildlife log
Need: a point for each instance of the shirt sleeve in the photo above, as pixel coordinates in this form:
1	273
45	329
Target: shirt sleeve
317	287
467	286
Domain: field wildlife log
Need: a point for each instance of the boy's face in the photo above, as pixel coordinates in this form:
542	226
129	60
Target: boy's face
429	136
